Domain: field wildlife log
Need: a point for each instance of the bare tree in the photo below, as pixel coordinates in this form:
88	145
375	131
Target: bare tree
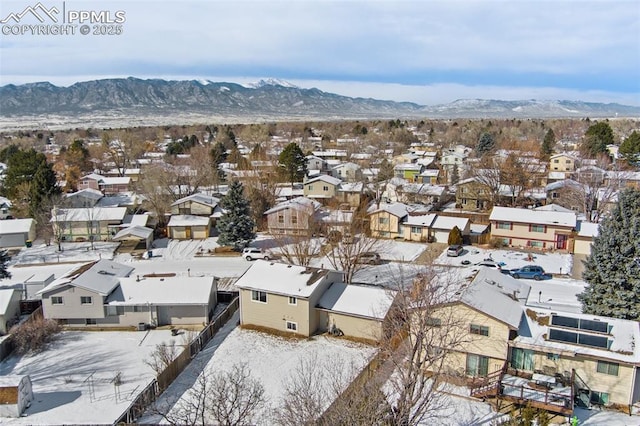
162	356
155	188
297	245
229	398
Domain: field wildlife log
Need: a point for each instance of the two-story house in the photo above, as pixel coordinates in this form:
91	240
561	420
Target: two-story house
87	224
545	230
298	216
322	188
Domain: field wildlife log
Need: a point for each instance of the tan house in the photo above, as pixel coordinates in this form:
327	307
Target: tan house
306	301
386	220
347	172
321	188
472	195
189	227
86	224
586	232
563	162
106	294
106	185
299	216
526	228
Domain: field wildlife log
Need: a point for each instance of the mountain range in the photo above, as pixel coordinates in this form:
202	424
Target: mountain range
155	101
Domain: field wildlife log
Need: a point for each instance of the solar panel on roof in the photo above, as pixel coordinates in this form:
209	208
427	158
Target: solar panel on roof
595	341
580	324
590	325
563	335
564	321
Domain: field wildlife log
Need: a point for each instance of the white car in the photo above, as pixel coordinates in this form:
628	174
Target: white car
251	253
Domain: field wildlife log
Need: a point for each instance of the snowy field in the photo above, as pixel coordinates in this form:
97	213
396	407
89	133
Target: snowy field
553	263
73	378
270	360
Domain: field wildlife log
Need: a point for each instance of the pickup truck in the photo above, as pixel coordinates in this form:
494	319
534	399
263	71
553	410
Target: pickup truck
531	272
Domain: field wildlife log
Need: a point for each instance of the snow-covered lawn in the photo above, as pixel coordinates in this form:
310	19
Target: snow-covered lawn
553	263
270	359
73	378
71	252
401	251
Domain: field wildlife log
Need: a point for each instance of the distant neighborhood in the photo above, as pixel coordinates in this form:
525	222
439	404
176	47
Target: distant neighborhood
432	261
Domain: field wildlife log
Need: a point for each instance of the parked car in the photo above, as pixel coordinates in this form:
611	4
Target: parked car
251	253
531	271
488	263
371	258
454	251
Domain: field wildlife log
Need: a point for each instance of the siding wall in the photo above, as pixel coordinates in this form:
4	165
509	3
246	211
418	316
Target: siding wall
360	328
384	230
520	234
71	307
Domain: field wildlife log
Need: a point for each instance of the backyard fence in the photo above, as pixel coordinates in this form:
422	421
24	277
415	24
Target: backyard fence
150	394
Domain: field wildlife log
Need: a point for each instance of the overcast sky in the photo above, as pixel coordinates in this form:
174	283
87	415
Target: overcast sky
427	52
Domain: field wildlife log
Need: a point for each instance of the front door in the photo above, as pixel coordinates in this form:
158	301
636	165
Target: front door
561	241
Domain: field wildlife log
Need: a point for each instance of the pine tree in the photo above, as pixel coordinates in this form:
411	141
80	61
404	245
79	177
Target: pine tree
547	144
293	163
630	149
485	143
4	259
612	271
236	226
455	237
597	137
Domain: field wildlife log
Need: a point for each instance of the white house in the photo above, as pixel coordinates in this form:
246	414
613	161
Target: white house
16	232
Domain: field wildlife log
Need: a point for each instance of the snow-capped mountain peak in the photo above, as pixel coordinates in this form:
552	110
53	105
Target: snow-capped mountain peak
271	82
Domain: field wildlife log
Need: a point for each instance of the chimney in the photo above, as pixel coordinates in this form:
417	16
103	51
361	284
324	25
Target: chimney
137	278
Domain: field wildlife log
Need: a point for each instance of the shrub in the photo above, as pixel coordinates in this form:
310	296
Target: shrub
496	243
33	336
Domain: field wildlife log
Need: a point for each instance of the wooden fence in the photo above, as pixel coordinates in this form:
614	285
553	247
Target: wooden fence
151	393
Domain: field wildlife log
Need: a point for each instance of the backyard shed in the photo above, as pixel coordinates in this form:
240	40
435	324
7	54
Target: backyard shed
15	395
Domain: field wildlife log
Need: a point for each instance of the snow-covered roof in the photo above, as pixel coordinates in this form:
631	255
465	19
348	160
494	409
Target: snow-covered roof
324	178
492	293
87	193
351	187
188	220
423	189
424	220
553	208
101	276
397	209
300	203
136	231
561	184
478	228
360	300
337	216
200	199
509	214
621	336
137	219
429	173
178	290
89	214
5	201
408	166
280	278
6	295
449	222
15	226
588	229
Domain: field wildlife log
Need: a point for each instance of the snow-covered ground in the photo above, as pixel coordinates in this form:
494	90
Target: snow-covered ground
71	252
270	360
73	378
553	263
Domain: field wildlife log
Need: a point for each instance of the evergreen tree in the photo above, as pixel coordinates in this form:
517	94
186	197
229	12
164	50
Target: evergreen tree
293	163
547	144
385	172
4	259
612	271
455	174
630	149
455	237
486	144
43	186
597	137
236	226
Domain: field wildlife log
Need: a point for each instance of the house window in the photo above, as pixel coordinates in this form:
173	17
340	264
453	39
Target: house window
139	309
464	201
434	322
503	225
119	310
310	187
293	300
538	228
556	161
553	357
481	330
259	296
535	244
610	368
415	229
522	359
90	321
383	220
292	326
57	300
325	188
86	300
184	210
294	220
477	365
280	218
599	398
554	195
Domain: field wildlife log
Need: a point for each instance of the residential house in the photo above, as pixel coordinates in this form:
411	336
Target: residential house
622	179
35	283
473	195
563	162
87	224
9	308
590	175
347	172
5	208
352	194
421	193
299	216
107	185
443	225
199	205
387	220
134	237
16	232
450	162
408	171
546	230
417	227
322	188
189	227
105	294
87	197
428	176
316	163
306	301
